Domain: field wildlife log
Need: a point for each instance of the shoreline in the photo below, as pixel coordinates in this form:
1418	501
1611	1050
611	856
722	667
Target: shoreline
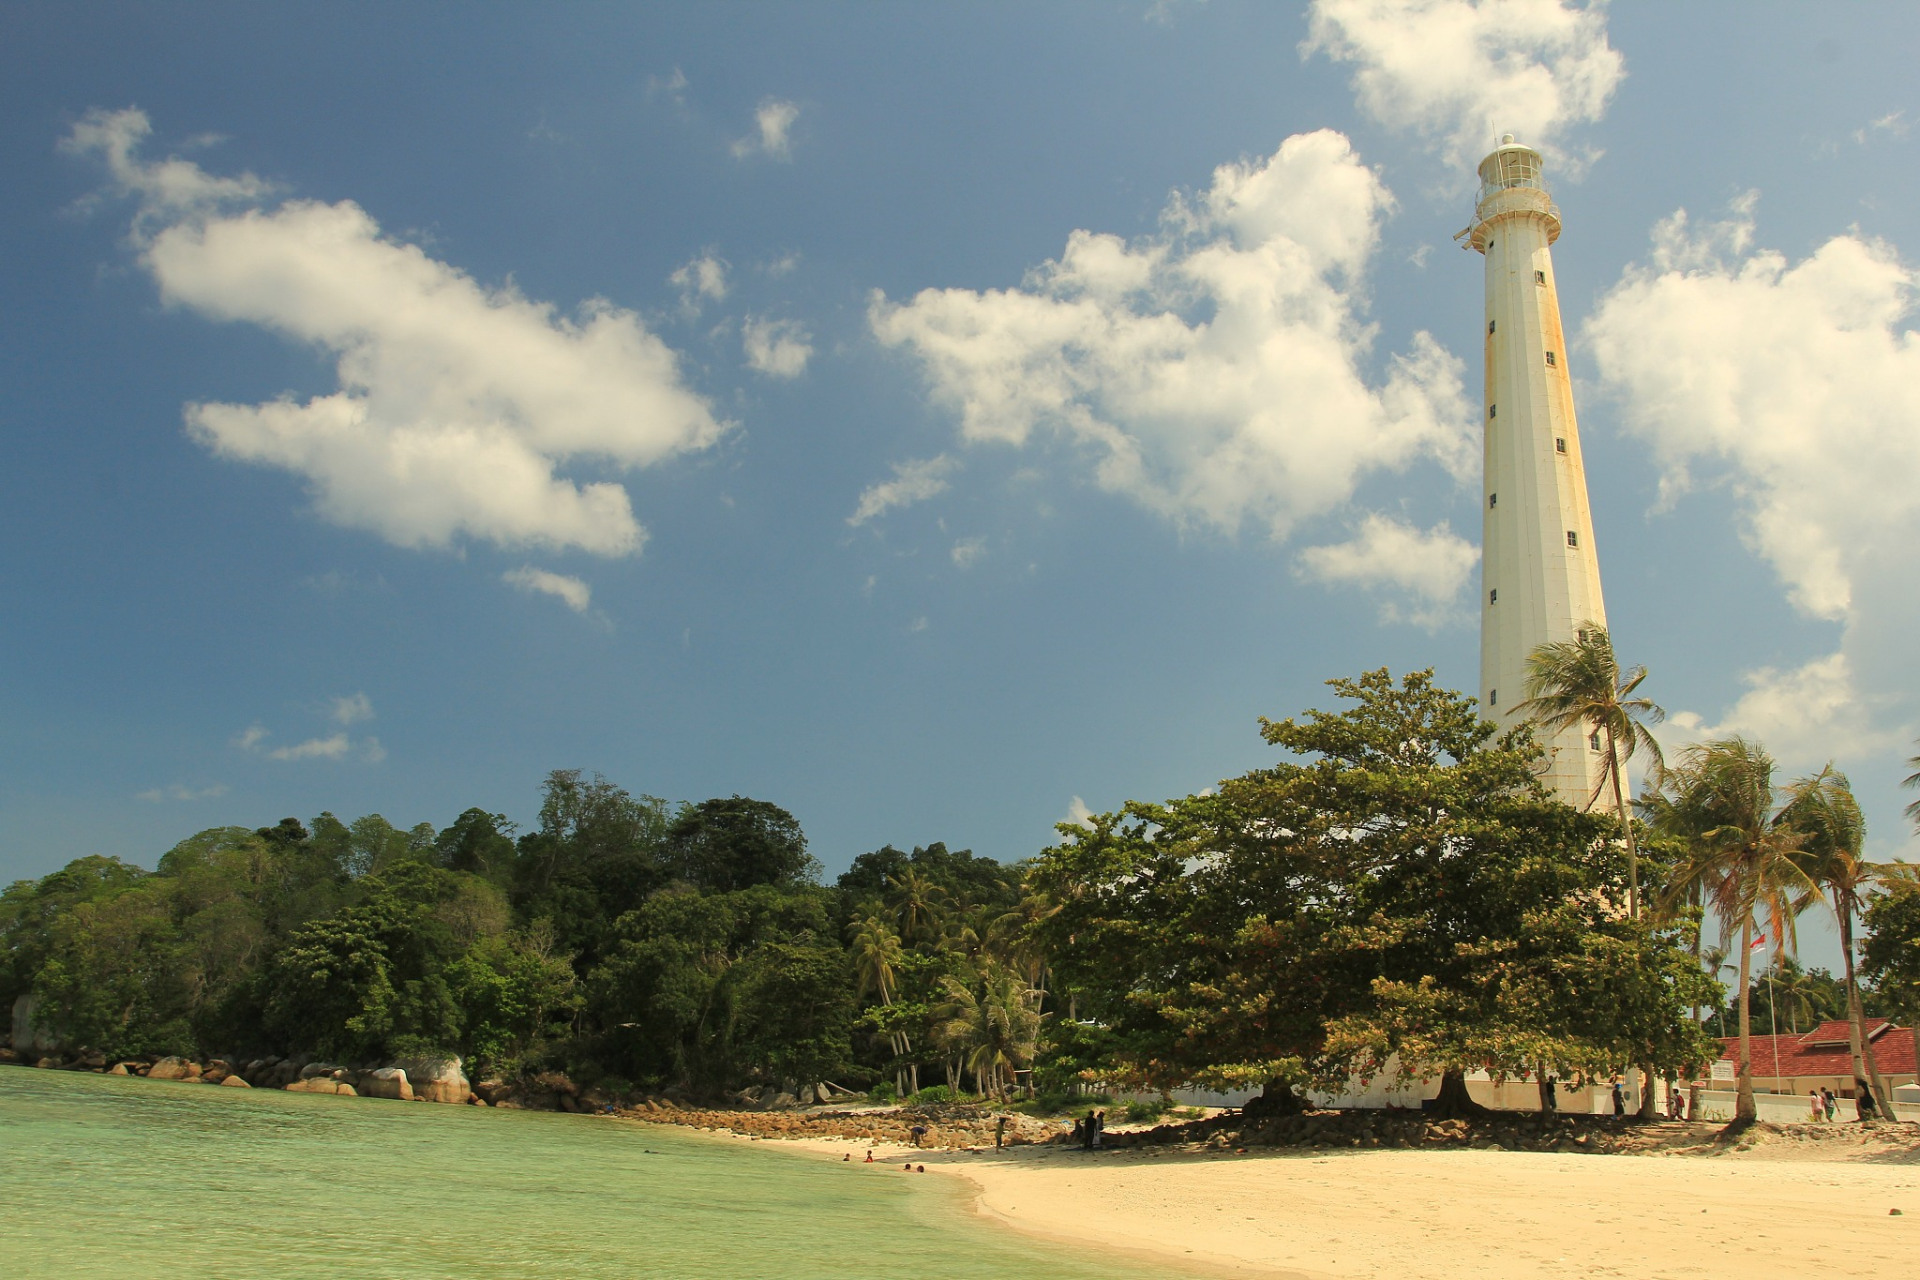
1780	1208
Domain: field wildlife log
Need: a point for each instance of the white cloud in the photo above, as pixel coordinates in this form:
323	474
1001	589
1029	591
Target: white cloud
332	747
1790	390
1797	383
1805	716
772	130
918	625
777	348
456	402
968	552
1429	565
572	592
353	708
1215	372
176	791
784	265
700	281
371	751
1077	814
912	482
250	738
1461	72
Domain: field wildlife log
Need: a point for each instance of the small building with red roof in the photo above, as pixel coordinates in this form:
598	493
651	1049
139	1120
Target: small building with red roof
1821	1058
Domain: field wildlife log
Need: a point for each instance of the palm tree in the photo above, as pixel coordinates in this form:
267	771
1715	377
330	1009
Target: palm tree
1913	780
1823	809
1745	860
917	903
991	1025
1578	684
1714	959
1793	987
877	957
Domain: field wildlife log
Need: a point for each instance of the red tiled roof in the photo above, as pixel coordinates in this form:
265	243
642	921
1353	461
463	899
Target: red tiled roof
1832	1033
1815	1054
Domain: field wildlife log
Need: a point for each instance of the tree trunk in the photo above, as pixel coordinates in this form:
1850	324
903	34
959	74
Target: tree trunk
1744	1110
1454	1102
1276	1098
1547	1099
1865	1070
1648	1111
1626	826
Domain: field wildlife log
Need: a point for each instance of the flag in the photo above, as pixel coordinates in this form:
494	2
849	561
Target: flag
1758	943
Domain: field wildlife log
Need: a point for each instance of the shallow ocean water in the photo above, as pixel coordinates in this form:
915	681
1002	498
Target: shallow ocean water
107	1176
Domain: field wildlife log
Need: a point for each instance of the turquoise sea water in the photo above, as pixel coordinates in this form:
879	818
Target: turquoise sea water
104	1176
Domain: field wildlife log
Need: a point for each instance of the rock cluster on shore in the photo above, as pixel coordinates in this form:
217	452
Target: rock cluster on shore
947	1127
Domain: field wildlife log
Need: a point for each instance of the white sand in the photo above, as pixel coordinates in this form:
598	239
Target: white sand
1454	1214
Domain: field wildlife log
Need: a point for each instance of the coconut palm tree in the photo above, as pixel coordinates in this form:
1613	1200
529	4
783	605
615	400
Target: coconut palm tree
990	1025
1913	780
877	957
1794	989
1746	860
917	903
1823	809
1579	684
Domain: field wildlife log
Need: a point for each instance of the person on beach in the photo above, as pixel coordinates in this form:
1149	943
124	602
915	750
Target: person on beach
1864	1106
999	1133
1819	1105
1553	1097
1832	1102
869	1159
1099	1127
1673	1099
919	1135
1619	1098
1080	1131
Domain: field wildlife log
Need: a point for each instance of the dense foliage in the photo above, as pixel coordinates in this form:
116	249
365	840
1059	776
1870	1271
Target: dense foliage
1396	887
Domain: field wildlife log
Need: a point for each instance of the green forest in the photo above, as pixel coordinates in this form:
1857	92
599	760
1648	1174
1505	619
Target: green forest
1396	882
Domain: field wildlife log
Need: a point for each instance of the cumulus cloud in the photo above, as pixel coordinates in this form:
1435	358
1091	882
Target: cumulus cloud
700	281
1429	566
777	348
1793	388
913	481
456	402
572	592
1077	814
772	131
1806	715
177	791
1214	372
1796	383
353	708
1461	72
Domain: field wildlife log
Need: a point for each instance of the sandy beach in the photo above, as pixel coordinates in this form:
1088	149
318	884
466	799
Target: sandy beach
1455	1214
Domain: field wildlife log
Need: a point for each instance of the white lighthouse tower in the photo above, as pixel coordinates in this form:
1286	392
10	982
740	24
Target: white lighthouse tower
1540	576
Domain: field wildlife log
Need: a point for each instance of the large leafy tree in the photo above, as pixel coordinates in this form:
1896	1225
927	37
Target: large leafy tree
723	845
1578	683
1891	956
1402	887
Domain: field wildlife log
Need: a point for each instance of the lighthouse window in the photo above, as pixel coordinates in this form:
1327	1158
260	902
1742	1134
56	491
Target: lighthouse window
1559	444
1539	277
1594	741
1489	326
1493	500
1493	596
1573	539
1492	409
1493	697
1550	360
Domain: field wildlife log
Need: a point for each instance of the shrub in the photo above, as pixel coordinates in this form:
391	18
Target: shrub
1140	1111
884	1092
934	1094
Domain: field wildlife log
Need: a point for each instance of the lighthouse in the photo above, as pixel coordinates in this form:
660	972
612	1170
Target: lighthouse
1540	572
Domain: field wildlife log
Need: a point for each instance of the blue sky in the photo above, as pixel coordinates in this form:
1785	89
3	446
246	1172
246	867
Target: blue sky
929	419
